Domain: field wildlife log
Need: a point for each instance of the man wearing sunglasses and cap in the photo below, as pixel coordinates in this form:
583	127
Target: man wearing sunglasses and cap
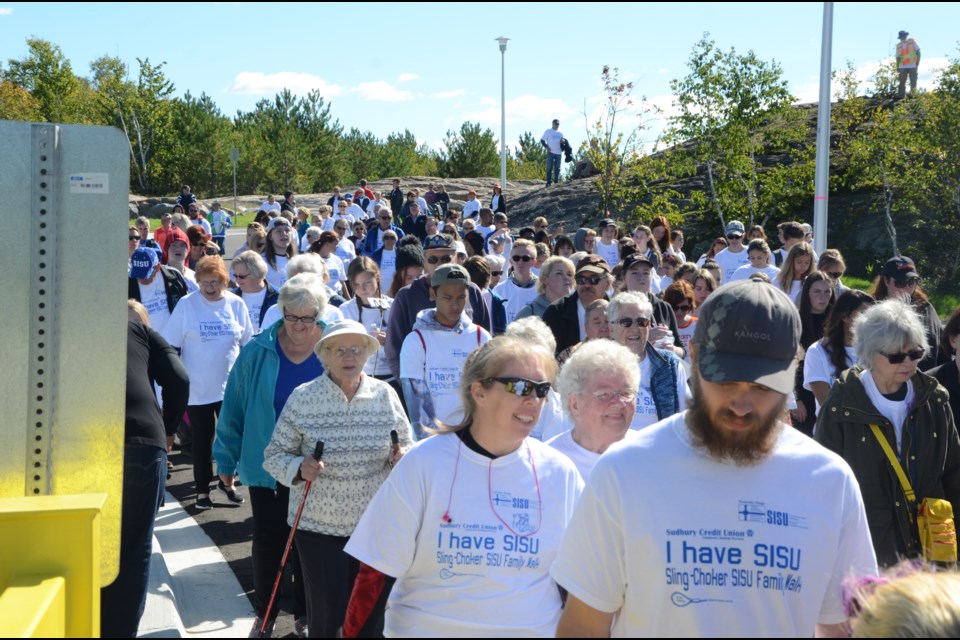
567	316
438	250
735	255
721	520
434	353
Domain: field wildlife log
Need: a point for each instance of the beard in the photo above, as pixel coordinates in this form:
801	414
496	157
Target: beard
744	448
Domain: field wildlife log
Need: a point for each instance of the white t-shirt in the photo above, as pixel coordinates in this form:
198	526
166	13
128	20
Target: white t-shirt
153	296
254	302
486	231
388	267
516	297
893	410
440	365
204	224
686	334
471	209
372	318
729	262
682	545
747	270
584	459
336	270
209	336
552	421
582	318
483	573
553	137
818	368
266	206
277	276
609	252
646	413
191	277
795	288
346	252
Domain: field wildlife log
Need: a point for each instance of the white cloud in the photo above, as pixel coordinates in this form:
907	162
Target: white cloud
524	109
445	95
663	71
256	83
5	11
381	91
407	77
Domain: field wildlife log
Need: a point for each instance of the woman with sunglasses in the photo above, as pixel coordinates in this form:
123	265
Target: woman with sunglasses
466	527
912	416
663	384
679	296
899	279
250	274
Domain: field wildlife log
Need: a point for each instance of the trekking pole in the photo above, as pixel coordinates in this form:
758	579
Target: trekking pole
317	455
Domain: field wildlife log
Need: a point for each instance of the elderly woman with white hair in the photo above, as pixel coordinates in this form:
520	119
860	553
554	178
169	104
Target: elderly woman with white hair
267	370
884	406
533	330
310	263
663	383
598	386
353	414
250	273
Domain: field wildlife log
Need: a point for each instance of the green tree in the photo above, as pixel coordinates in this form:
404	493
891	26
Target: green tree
47	74
731	107
204	137
529	159
471	152
144	112
16	103
362	152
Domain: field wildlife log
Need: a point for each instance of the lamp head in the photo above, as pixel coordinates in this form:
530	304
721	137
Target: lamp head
503	43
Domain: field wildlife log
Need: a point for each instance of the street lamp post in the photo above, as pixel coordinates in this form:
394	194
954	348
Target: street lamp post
503	111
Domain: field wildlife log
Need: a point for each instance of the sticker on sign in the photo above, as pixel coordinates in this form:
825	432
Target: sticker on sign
90	183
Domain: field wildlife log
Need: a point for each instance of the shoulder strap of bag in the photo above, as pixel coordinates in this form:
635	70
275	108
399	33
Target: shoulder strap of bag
891	456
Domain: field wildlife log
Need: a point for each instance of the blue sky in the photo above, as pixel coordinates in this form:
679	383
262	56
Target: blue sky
428	67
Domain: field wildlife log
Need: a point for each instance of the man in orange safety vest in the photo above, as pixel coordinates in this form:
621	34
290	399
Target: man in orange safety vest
908	59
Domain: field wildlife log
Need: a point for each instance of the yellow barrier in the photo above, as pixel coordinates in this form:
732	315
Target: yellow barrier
50	566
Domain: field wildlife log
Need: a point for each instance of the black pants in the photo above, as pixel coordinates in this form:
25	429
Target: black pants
270	533
203	423
328	575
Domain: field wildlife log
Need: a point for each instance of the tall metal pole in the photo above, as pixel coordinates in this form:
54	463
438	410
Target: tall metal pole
234	156
822	181
503	111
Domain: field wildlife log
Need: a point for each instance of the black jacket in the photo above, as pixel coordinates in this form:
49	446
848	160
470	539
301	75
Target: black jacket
173	282
564	321
930	456
150	359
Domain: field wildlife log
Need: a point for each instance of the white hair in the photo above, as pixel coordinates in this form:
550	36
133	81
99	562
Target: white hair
889	326
303	290
533	330
254	263
305	263
495	262
594	358
626	298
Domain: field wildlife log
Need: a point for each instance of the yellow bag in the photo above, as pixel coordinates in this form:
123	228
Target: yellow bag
938	533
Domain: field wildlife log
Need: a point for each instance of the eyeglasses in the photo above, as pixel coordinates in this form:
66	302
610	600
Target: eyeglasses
897	358
683	308
909	282
835	275
132	238
521	258
385	217
241	276
606	397
626	323
591	280
496	274
522	387
292	319
210	283
198	244
439	259
343	352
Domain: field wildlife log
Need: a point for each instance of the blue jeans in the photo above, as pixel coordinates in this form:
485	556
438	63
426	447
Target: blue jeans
144	484
553	160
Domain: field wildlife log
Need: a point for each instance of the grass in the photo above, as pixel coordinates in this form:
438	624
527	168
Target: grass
944	303
239	220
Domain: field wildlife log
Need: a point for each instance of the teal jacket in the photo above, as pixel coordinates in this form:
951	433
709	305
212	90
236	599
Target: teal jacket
247	417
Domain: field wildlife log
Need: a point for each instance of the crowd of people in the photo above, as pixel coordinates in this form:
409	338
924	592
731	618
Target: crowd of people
671	446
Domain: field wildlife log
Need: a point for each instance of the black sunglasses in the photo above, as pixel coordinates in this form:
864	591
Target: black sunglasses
626	323
132	238
522	387
897	358
591	280
496	273
521	258
439	259
835	275
733	236
683	308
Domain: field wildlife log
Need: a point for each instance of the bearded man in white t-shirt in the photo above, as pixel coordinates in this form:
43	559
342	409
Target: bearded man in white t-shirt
700	527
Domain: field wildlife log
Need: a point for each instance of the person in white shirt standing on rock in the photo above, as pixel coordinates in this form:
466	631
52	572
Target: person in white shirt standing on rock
551	142
434	352
735	255
471	208
520	288
609	248
270	204
747	550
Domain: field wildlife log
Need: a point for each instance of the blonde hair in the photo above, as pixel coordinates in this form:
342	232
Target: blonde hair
487	361
140	310
922	605
788	270
549	266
